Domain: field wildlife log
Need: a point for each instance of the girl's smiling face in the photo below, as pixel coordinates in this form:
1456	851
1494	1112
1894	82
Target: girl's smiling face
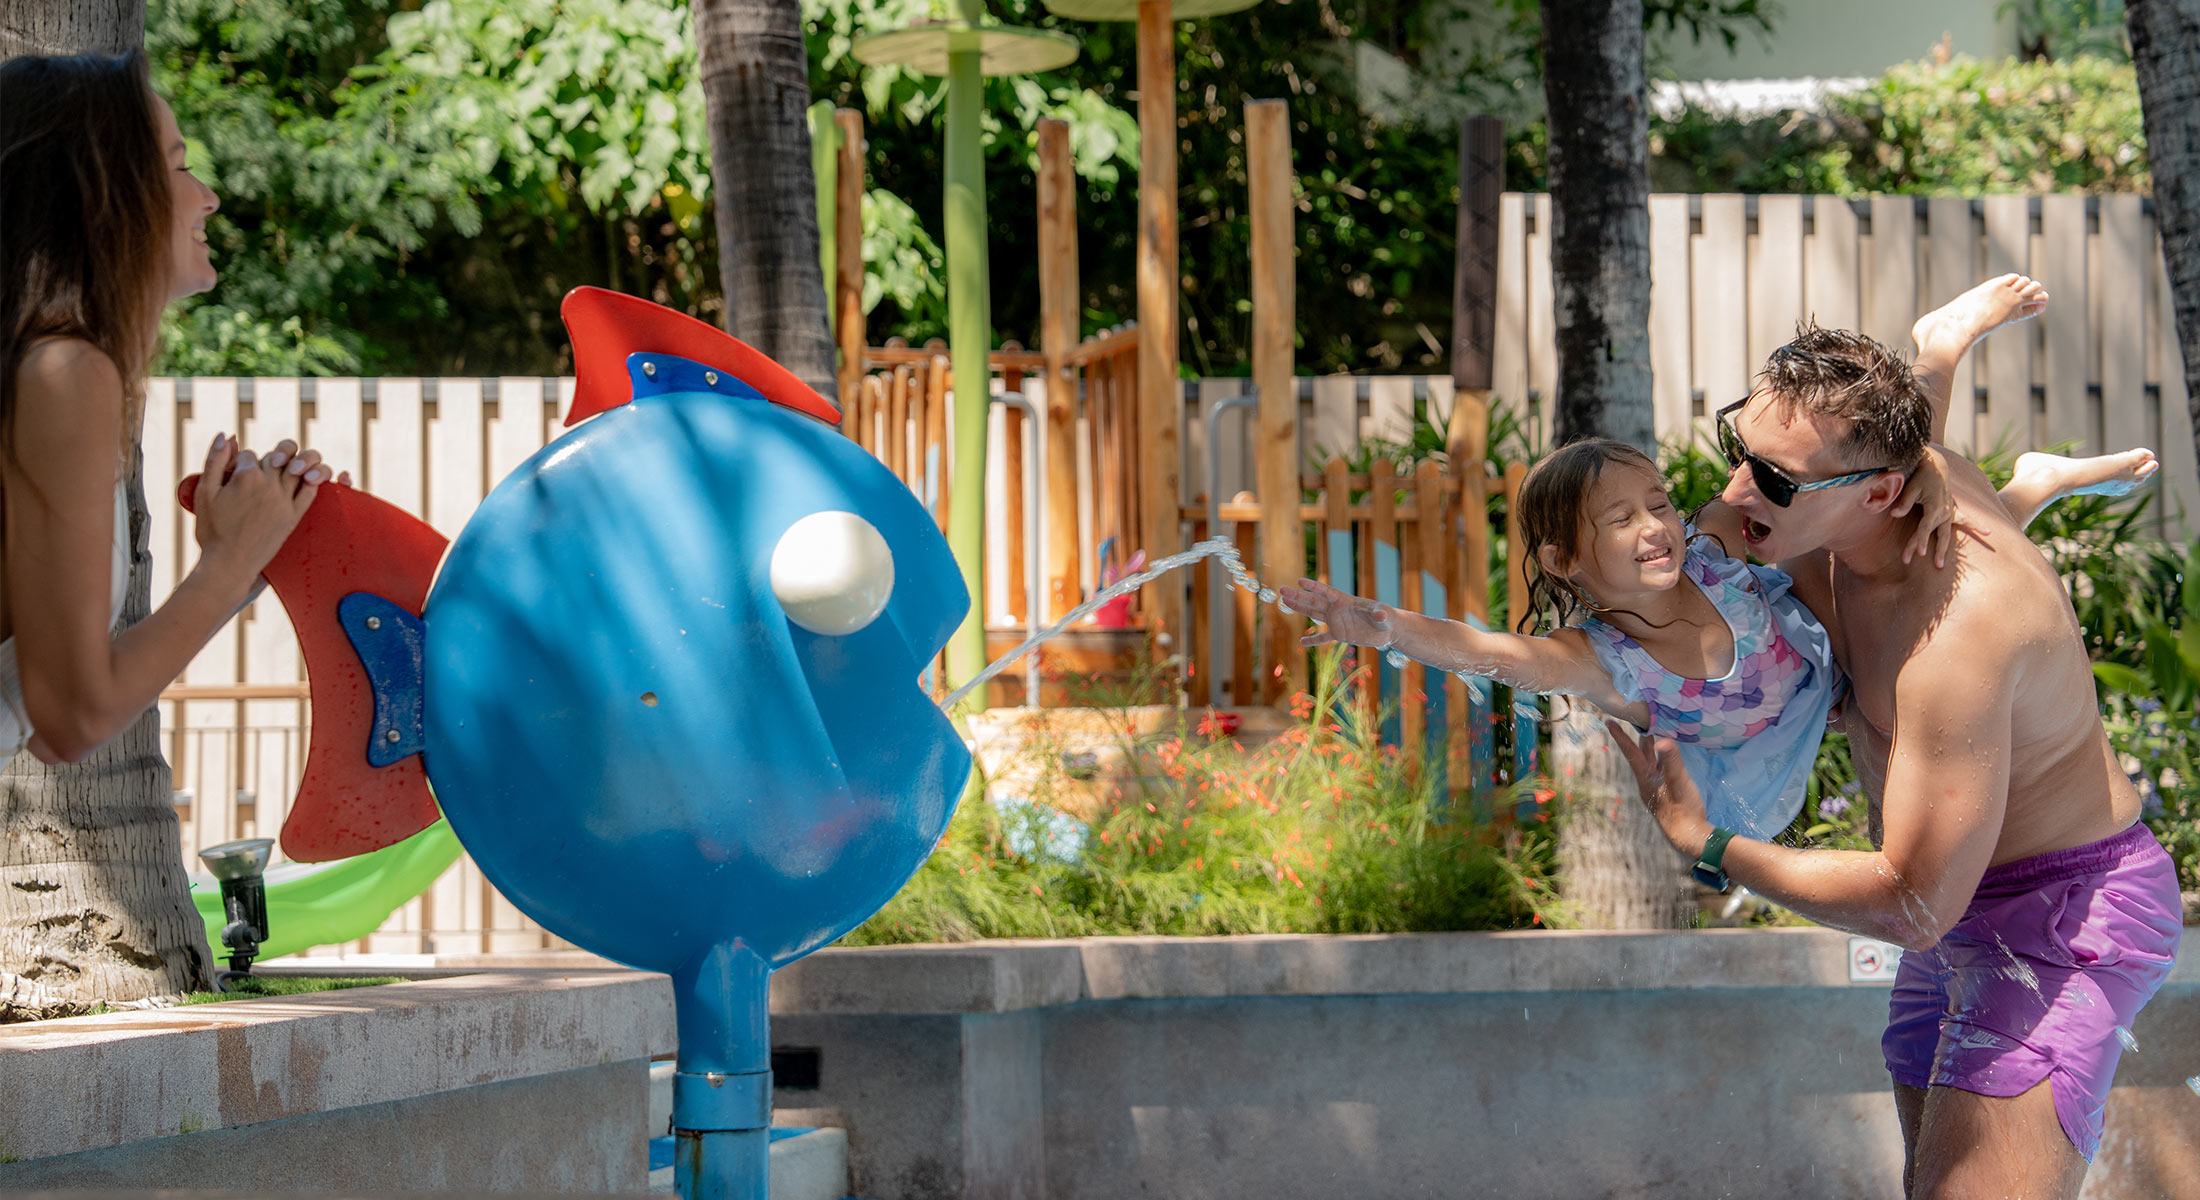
1630	541
190	267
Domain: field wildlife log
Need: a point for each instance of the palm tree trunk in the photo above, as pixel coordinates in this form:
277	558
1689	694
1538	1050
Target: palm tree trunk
94	903
2165	51
756	92
1620	873
1600	217
70	27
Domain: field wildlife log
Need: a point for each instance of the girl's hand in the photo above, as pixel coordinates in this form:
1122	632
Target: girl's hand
1940	515
1668	794
1346	618
247	506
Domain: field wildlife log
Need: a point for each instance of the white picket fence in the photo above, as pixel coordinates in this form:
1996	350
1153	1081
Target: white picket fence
1731	275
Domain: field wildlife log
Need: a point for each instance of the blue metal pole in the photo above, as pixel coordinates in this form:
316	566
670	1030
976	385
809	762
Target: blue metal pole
722	1093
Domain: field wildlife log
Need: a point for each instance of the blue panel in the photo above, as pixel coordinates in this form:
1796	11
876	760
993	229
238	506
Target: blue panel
389	642
1386	590
631	738
1344	564
1527	718
1481	733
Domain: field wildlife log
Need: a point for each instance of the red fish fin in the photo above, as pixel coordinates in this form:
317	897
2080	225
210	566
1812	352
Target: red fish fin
608	326
349	542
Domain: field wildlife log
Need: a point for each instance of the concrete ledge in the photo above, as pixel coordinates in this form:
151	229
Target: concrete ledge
101	1081
1010	976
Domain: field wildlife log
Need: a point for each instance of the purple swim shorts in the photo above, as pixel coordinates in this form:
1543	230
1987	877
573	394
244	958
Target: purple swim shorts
2054	956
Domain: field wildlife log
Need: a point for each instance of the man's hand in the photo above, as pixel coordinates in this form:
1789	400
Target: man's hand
1667	791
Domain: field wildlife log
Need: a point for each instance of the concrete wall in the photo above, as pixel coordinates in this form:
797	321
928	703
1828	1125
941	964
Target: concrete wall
1719	1063
498	1081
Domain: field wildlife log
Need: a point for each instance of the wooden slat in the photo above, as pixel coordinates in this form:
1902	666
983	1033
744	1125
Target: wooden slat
1509	353
1951	270
1723	365
211	762
165	460
1058	329
455	484
2123	268
1831	292
518	429
1245	609
2069	334
1516	580
1338	564
1776	275
1671	385
847	235
1379	571
1199	686
2007	357
270	646
394	468
1542	326
1890	297
2181	476
1389	409
1230	480
1336	425
896	434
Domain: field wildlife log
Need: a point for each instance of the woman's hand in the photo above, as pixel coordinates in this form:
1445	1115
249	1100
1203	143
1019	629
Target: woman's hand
1940	514
1346	618
247	506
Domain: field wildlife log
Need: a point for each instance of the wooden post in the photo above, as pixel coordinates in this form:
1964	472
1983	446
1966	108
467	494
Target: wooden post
895	437
1159	409
1244	684
1516	576
1058	334
1012	480
1338	560
1275	317
848	256
1474	344
934	453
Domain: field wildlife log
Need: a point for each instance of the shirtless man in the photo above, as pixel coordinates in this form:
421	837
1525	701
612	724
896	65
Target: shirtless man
2037	914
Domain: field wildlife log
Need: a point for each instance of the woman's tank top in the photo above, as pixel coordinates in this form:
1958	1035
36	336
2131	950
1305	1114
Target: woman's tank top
15	722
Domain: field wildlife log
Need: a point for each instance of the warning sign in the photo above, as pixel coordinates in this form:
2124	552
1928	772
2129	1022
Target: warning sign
1873	961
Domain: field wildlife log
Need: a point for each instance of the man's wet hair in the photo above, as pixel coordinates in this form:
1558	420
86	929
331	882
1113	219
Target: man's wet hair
1869	388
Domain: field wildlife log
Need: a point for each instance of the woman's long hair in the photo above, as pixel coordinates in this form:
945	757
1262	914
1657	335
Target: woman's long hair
1552	499
85	216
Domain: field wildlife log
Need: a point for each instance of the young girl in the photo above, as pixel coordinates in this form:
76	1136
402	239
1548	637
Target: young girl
105	225
1730	666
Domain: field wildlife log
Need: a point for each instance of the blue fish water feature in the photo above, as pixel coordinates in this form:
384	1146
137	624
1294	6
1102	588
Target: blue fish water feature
665	688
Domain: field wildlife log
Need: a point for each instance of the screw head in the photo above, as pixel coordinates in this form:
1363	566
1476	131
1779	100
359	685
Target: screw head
393	737
711	378
374	622
649	369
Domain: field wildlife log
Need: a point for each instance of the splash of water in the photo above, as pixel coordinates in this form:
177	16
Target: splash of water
1217	548
2124	1035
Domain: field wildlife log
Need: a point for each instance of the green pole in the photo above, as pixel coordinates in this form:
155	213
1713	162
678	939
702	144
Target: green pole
969	341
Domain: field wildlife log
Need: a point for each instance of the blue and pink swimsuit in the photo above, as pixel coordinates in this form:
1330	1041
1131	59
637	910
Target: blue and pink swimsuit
1749	737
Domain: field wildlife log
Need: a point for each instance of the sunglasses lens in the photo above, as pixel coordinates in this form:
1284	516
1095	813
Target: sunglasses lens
1771	484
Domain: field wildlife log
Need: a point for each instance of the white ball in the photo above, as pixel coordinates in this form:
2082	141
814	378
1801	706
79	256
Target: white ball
833	573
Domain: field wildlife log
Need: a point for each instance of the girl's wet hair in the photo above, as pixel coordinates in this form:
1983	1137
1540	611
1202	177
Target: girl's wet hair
1553	502
86	214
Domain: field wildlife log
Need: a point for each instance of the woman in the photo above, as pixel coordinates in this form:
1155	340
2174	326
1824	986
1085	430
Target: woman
101	226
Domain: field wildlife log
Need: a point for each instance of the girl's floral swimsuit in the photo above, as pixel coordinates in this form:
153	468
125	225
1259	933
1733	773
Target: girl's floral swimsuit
1749	737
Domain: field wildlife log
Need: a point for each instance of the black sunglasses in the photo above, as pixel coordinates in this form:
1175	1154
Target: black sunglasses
1773	483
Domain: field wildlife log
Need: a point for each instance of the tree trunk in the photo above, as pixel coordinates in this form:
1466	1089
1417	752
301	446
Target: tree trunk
94	903
1600	217
756	92
70	27
2165	51
1620	873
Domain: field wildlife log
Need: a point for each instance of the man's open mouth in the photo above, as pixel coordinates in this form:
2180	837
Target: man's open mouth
1755	531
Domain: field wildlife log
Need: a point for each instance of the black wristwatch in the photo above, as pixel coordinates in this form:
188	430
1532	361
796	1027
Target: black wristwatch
1707	870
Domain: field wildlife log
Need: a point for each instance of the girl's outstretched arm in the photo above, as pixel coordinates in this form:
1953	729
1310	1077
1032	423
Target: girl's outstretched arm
1564	662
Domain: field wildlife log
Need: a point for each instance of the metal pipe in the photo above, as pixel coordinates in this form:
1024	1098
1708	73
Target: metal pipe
1034	553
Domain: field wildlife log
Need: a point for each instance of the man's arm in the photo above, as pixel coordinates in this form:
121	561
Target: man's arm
1947	787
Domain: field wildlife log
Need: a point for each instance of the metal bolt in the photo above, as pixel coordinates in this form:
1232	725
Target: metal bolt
711	378
374	622
393	737
649	369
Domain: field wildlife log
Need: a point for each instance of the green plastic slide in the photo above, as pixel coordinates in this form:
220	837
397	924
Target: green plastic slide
325	904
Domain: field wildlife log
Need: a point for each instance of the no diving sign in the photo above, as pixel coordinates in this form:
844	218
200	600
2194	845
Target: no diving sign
1873	961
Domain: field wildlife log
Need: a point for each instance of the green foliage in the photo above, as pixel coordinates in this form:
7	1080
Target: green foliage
262	986
1963	126
1322	830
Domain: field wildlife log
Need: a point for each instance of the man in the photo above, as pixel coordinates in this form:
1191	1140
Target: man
2037	915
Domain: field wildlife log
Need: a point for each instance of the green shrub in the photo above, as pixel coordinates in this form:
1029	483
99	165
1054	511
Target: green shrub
1323	830
1966	126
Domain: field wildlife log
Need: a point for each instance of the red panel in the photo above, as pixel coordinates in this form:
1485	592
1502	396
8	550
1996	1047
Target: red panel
608	326
349	542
